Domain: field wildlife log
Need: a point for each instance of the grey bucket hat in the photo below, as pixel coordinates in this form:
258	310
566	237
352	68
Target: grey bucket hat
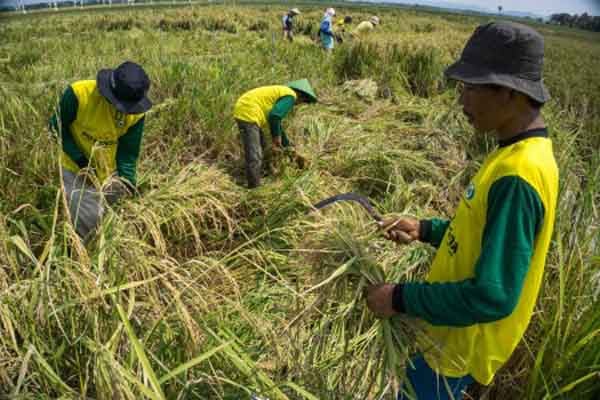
505	54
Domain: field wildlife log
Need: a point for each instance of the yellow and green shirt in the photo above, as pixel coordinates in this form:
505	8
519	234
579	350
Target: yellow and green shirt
266	106
95	134
483	284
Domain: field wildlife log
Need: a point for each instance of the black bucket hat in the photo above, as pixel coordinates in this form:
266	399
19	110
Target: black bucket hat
125	87
505	54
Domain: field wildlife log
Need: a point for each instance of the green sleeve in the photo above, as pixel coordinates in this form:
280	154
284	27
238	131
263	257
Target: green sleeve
128	151
281	108
432	231
60	123
514	216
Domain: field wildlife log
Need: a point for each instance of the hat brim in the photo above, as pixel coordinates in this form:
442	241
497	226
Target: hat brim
469	73
310	96
127	107
304	87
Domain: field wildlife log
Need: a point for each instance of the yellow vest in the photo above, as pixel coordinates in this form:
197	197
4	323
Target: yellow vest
481	349
255	105
97	129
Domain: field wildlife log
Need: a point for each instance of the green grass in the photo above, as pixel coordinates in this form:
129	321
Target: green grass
202	289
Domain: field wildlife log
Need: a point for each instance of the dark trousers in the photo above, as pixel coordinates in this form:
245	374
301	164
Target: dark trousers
428	385
288	34
253	143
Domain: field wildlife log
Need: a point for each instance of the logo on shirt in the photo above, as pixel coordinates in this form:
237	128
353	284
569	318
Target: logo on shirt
452	243
120	119
470	191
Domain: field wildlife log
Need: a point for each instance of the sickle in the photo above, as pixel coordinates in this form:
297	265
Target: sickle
350	196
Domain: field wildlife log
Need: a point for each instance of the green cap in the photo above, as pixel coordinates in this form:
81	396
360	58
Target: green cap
303	86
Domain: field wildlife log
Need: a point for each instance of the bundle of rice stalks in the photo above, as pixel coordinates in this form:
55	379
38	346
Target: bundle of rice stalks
193	211
363	88
377	167
346	350
273	207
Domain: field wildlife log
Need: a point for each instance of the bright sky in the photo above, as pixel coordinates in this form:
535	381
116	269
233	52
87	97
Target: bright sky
543	7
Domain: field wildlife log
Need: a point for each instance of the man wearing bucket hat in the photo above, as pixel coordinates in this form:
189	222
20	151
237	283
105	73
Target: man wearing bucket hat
101	123
288	21
481	290
365	27
265	107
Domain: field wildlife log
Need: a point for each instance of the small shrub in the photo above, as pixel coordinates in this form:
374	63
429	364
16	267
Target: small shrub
305	28
424	28
174	25
422	68
357	61
218	24
259	26
30	56
424	71
107	24
419	70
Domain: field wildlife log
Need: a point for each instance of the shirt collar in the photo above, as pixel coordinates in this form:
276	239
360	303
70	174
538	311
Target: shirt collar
538	132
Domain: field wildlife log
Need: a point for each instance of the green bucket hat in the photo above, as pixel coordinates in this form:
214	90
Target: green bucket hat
303	86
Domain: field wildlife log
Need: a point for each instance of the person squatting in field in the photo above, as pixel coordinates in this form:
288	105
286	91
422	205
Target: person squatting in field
481	290
341	28
265	107
101	123
365	27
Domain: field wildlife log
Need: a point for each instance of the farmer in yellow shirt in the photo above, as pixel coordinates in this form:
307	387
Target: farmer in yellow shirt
341	28
266	107
101	123
481	291
365	27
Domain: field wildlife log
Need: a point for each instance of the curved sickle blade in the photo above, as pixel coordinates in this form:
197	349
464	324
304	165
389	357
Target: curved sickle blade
350	196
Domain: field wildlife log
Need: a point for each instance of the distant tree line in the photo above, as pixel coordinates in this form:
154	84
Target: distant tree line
583	21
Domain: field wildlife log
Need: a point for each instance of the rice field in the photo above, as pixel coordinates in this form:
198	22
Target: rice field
202	289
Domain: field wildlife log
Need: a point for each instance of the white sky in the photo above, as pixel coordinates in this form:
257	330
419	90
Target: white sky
544	7
541	7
